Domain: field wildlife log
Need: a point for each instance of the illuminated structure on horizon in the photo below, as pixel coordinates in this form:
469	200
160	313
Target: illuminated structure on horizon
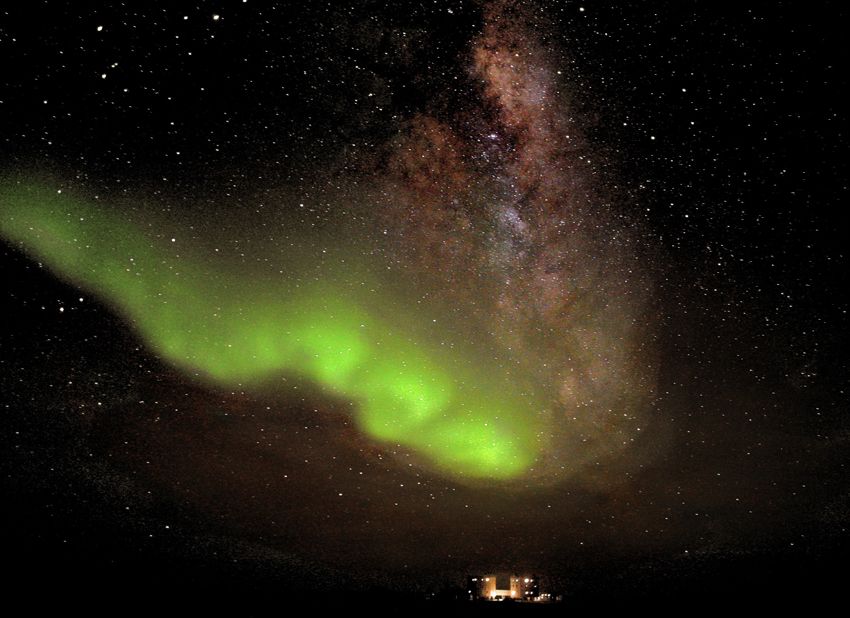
503	586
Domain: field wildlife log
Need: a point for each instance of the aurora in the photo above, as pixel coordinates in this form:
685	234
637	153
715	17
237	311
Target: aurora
459	406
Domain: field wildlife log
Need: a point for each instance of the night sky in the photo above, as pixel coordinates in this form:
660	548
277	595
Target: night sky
314	296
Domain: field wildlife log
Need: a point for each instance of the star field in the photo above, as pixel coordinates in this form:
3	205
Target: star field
343	297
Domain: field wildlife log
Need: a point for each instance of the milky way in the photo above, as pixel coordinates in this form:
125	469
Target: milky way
507	218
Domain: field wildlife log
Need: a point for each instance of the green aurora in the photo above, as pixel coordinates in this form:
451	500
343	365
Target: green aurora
328	322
